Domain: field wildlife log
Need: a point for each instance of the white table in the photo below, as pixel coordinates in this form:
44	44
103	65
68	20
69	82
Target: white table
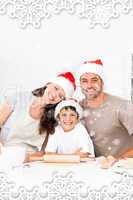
39	181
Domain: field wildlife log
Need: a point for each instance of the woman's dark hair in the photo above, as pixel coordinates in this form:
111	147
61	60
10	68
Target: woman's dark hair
39	91
47	121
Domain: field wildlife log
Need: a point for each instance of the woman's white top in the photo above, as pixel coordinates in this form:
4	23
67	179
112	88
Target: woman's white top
21	129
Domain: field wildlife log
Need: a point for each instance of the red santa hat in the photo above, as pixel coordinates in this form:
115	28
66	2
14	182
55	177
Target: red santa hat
67	82
95	66
66	103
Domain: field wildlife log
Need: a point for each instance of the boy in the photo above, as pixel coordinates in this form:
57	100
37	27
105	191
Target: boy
70	135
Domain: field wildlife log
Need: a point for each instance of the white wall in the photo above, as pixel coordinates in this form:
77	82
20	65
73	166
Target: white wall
29	57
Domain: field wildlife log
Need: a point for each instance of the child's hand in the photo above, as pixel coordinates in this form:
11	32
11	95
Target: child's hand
80	153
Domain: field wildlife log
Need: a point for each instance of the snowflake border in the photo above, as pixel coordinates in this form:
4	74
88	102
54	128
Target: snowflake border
97	12
66	187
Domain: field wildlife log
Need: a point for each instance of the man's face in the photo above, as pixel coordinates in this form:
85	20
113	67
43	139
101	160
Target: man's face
91	85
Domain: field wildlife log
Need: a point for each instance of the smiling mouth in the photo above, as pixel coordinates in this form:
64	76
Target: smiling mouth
70	123
91	90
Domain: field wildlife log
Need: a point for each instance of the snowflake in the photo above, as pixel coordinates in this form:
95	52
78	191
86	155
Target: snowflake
92	133
95	11
63	187
126	6
3	5
109	148
99	12
124	188
98	114
23	193
86	113
28	12
57	6
116	141
101	194
91	122
68	5
5	186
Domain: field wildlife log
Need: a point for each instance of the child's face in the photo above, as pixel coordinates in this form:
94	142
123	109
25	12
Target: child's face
68	119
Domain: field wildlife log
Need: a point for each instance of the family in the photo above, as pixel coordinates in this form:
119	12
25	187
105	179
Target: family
48	120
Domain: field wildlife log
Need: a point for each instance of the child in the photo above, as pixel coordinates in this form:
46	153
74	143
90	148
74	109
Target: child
70	135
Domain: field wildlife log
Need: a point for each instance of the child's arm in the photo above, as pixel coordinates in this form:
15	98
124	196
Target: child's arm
86	145
51	147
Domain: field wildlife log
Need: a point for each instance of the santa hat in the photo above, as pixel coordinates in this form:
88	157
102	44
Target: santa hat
95	67
69	102
67	82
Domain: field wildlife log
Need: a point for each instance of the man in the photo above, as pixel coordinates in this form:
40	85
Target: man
108	119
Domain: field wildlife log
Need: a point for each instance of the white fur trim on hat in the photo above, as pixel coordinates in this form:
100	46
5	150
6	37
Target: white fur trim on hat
91	68
69	102
65	84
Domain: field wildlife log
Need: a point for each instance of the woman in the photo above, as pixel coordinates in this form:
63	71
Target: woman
27	119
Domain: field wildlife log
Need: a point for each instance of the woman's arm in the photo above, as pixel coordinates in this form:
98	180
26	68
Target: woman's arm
5	111
37	156
8	101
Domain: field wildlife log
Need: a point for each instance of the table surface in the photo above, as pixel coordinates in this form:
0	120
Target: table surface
31	174
39	180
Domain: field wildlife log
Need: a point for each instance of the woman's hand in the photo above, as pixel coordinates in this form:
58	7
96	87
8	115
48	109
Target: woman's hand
53	94
36	109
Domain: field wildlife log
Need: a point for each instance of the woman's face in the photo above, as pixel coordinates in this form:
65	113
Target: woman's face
54	93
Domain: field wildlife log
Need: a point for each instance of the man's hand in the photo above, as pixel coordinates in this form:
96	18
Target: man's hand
106	162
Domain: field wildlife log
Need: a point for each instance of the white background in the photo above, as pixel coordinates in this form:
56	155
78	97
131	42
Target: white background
29	57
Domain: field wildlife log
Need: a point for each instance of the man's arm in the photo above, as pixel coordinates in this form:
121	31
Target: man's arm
127	154
125	116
